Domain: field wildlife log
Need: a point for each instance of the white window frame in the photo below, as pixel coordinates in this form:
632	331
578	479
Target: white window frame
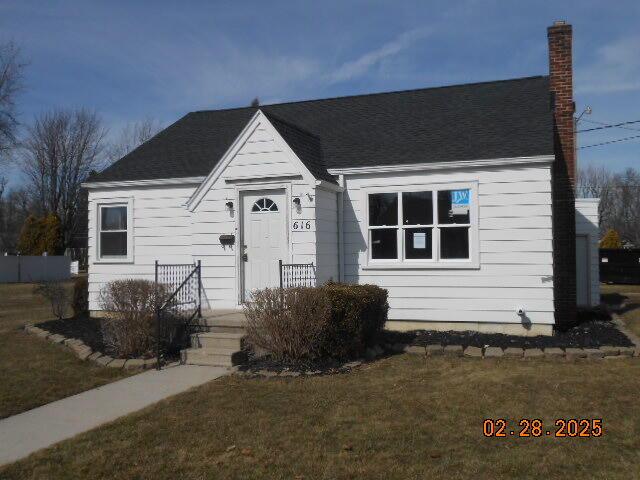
435	262
128	203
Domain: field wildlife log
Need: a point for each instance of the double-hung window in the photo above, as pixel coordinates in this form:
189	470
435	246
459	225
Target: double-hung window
114	232
435	225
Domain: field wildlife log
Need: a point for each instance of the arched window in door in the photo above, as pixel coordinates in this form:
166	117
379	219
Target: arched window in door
264	205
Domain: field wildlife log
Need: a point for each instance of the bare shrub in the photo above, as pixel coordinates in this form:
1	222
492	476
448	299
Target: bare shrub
129	327
288	323
335	320
57	295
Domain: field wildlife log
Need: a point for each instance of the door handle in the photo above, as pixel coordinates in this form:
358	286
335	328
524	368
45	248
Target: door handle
244	257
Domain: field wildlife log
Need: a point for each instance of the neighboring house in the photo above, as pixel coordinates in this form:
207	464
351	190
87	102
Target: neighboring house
458	200
587	248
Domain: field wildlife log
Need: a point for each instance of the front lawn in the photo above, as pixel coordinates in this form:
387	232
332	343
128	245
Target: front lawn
33	371
397	418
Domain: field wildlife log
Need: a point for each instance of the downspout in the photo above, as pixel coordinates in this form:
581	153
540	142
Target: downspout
341	182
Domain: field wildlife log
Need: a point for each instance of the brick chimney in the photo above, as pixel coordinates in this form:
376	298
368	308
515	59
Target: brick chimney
561	85
563	174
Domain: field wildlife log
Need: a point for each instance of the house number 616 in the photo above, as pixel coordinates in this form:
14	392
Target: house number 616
302	225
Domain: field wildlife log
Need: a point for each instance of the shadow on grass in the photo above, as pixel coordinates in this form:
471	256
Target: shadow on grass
613	300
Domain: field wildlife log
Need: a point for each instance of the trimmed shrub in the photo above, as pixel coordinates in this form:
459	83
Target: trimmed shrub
296	325
80	302
128	330
57	295
290	323
358	316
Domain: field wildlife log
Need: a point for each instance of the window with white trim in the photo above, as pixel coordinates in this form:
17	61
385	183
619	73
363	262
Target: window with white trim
113	234
433	225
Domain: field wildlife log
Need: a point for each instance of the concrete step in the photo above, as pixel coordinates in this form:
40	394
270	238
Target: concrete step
223	318
226	340
212	357
218	329
222	322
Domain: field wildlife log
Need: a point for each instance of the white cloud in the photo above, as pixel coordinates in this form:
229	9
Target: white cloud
364	63
616	68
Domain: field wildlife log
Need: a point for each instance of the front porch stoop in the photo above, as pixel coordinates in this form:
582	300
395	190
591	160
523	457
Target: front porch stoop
221	344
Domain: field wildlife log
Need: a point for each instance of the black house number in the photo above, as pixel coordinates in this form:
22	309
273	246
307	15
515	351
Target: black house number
301	225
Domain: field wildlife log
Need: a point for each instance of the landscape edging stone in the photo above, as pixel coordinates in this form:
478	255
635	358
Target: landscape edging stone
85	352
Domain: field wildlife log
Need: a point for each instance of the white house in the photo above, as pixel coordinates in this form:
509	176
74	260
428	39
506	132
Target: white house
458	200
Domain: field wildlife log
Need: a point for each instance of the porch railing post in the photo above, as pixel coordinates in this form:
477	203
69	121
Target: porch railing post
280	266
199	289
157	290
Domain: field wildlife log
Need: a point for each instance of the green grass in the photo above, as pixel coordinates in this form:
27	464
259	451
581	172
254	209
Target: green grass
398	418
33	371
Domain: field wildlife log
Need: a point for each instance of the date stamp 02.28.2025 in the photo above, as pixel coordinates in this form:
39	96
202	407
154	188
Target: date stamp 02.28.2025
534	427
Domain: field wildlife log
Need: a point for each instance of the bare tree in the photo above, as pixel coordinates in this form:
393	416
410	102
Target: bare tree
625	218
3	186
60	150
619	195
130	137
598	182
10	85
14	209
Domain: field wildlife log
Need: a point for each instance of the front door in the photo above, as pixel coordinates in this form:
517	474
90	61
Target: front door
264	238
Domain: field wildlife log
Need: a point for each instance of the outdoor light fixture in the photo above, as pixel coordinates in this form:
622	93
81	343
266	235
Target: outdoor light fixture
229	206
297	204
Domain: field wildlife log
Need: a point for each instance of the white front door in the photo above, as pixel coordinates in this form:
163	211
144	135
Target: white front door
582	270
264	238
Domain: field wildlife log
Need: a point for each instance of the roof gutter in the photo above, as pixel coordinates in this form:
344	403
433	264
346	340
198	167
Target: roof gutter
483	163
144	183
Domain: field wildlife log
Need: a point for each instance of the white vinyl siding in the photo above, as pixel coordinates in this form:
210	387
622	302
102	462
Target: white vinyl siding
515	265
260	157
159	229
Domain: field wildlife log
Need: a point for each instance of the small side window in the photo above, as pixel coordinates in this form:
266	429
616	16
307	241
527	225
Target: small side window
113	231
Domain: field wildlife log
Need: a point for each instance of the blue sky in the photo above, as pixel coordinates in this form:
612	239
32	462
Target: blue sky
132	59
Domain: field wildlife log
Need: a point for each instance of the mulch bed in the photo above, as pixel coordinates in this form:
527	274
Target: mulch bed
594	329
589	333
85	328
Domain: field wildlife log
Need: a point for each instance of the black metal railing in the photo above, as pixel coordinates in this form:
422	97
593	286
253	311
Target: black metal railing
297	275
181	303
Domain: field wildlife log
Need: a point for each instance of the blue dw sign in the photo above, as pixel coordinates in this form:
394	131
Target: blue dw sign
460	201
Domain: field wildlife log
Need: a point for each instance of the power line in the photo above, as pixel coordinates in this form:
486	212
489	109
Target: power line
607	124
610	141
604	126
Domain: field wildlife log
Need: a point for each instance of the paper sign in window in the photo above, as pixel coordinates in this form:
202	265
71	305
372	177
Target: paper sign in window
460	201
419	240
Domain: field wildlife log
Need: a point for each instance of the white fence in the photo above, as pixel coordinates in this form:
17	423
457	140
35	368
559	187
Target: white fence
34	269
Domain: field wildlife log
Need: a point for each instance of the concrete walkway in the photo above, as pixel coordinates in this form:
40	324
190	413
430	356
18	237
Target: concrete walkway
27	432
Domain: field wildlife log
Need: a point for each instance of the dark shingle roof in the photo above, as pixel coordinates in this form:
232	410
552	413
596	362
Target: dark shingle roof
306	146
509	118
